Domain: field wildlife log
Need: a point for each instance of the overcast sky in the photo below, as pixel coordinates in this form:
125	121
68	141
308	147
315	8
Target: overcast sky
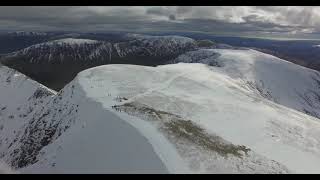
281	21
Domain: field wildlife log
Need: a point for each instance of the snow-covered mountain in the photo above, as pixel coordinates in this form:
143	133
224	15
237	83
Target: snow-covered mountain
86	49
281	81
63	50
27	33
215	109
160	46
44	62
178	118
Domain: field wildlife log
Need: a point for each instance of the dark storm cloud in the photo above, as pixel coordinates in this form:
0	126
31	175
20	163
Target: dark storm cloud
65	17
240	19
172	17
162	11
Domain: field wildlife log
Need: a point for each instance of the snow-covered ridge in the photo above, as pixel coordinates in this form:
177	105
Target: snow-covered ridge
28	33
86	49
278	80
62	42
52	119
218	104
182	118
61	49
38	60
180	39
245	113
156	46
72	41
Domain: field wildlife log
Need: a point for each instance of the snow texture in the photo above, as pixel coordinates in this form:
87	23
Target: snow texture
242	113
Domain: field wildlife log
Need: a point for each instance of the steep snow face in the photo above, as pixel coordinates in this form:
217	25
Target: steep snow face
275	79
33	117
19	99
95	140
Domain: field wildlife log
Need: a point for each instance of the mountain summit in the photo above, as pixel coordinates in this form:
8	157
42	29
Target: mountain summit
178	118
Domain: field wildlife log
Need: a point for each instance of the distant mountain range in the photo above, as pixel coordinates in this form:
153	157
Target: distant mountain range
13	41
133	103
55	63
303	52
44	55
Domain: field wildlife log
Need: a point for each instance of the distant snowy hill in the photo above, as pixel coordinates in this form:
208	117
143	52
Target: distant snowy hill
27	33
59	50
283	82
55	63
85	49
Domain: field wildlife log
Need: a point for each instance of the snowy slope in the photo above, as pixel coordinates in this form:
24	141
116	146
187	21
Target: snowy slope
5	169
283	82
33	116
182	118
19	99
235	116
214	102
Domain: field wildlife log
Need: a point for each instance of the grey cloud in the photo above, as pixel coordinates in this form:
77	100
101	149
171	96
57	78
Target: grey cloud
162	11
183	9
215	19
172	17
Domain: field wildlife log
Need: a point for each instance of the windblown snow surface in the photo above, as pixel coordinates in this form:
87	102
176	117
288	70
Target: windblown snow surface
177	118
283	82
